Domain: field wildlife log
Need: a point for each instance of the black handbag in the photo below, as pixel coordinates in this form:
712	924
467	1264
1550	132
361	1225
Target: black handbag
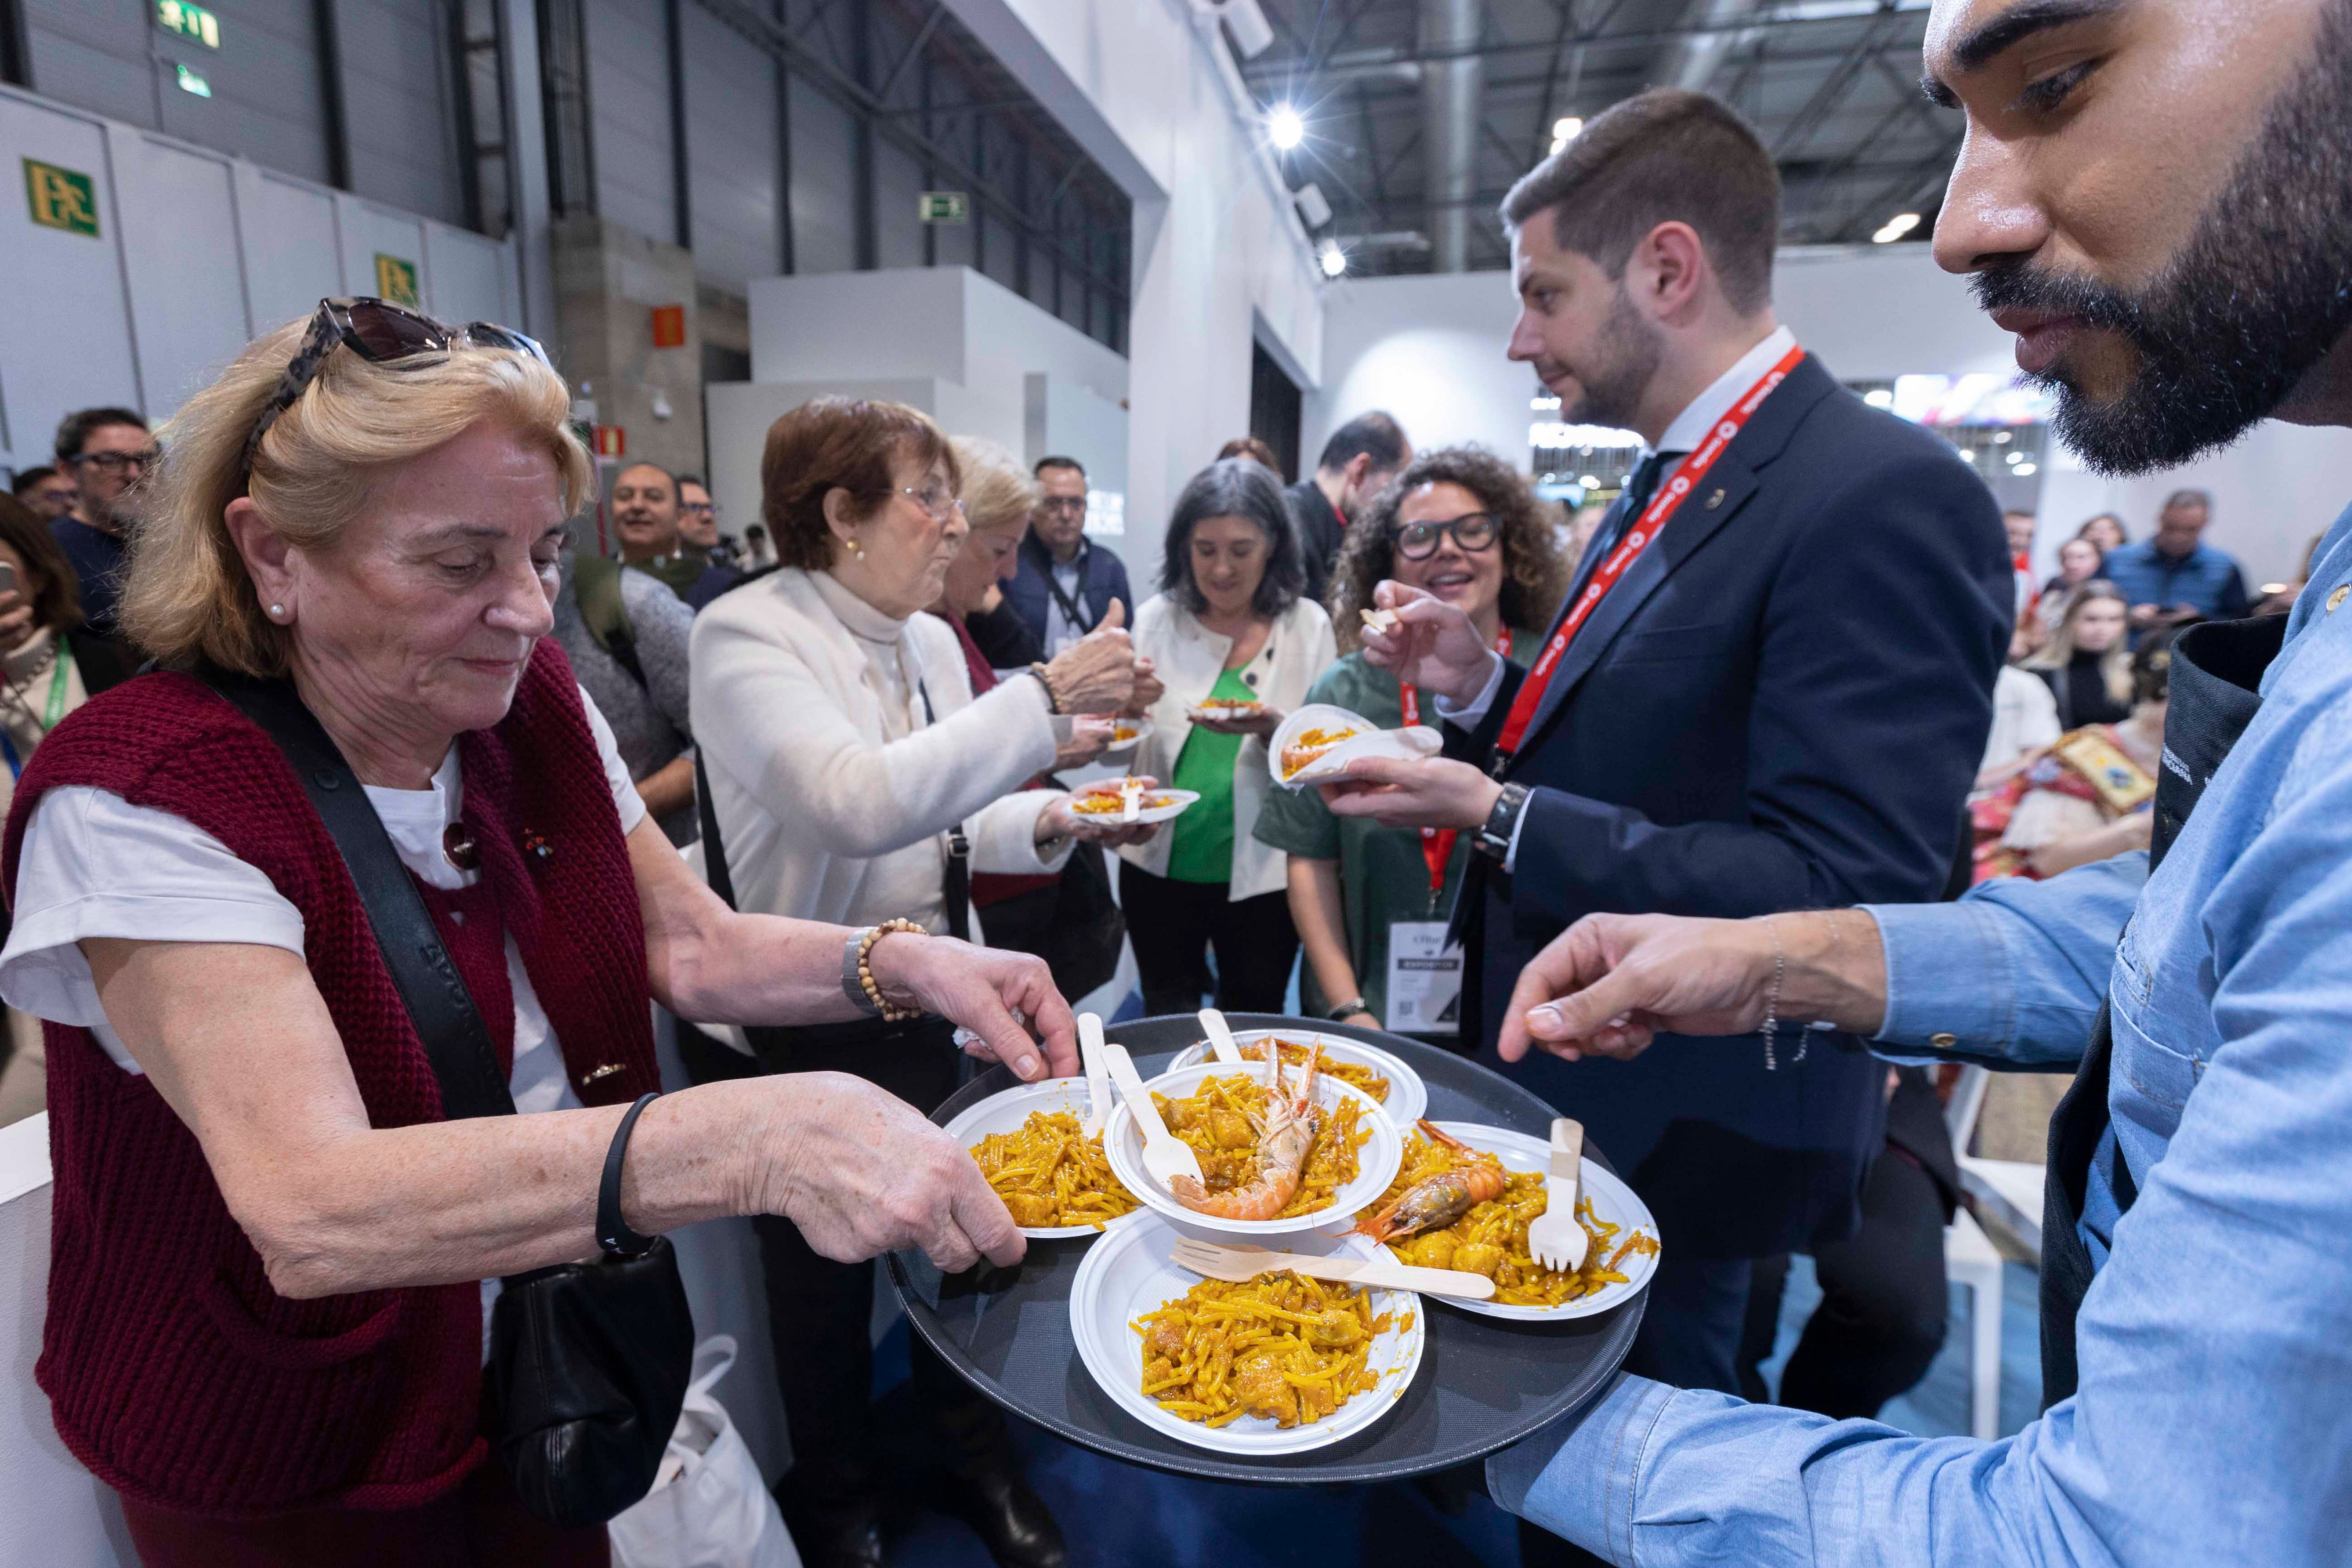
589	1361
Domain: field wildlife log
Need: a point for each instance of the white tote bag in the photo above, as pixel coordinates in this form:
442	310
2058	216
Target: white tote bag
709	1508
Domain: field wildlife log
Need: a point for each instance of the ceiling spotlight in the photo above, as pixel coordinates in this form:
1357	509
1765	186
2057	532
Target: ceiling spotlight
1564	131
1284	127
1335	260
1895	227
2024	469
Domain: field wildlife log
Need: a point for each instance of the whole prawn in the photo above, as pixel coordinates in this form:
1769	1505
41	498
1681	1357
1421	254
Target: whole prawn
1285	1135
1438	1200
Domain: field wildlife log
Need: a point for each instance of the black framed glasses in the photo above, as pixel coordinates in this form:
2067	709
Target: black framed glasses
382	333
1472	531
116	462
1065	506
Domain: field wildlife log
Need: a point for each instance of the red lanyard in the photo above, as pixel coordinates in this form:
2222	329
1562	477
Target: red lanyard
1638	538
1437	843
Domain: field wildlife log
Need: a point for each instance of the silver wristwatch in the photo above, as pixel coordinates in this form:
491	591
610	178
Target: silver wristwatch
1495	839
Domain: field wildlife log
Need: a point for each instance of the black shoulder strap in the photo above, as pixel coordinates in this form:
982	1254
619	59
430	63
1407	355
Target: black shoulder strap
439	1005
714	849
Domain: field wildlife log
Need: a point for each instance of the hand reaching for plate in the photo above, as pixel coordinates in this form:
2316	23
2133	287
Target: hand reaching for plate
1096	673
1058	821
1088	736
1265	720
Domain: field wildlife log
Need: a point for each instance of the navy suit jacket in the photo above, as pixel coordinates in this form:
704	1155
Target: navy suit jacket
1102	578
1780	706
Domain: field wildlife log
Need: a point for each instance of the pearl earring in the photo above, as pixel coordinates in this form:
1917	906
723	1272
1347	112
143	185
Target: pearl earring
277	611
857	549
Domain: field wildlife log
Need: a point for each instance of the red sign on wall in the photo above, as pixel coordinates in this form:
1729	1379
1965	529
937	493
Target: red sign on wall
611	441
669	326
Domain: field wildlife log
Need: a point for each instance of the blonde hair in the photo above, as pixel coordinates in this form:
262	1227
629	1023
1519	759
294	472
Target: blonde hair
187	594
995	488
2114	664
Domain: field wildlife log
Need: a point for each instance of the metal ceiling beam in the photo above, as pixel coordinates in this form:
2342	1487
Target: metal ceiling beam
1834	87
1265	67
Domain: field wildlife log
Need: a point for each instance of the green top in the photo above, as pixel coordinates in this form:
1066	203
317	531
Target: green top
1382	877
1201	847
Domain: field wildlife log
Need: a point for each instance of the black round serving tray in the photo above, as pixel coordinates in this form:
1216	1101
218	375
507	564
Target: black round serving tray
1484	1382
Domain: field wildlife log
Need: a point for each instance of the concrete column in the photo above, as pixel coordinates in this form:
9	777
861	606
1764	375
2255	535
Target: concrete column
608	283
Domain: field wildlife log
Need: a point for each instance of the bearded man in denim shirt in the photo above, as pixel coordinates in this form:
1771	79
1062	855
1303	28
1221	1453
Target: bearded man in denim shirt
2157	196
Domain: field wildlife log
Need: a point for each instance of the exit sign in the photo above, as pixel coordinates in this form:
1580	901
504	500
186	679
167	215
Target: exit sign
395	279
186	21
944	206
60	199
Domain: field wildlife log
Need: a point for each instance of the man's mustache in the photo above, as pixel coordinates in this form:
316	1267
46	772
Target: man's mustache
2027	287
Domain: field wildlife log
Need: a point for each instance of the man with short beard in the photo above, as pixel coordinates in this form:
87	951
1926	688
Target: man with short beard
646	517
108	451
2156	195
1769	689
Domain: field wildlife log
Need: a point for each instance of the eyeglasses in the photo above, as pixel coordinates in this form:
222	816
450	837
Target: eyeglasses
941	502
116	462
1472	531
701	506
1068	506
379	333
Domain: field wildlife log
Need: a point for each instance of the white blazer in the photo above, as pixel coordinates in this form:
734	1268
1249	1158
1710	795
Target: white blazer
823	817
1190	657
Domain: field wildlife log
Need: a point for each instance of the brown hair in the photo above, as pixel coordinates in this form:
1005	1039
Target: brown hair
1255	450
839	443
1534	572
55	591
2114	664
1662	156
186	593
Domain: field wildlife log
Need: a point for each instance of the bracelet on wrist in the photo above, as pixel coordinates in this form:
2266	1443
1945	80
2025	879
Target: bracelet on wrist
1347	1010
1052	698
890	1012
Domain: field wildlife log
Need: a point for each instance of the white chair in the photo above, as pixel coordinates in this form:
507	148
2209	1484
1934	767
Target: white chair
1972	1260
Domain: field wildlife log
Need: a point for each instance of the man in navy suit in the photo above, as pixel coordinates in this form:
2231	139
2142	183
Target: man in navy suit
1775	688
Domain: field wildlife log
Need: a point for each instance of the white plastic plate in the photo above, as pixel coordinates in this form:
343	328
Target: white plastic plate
1369	740
1376	1164
1118	748
1180	801
1613	1203
1005	1112
1408	1098
1128	1274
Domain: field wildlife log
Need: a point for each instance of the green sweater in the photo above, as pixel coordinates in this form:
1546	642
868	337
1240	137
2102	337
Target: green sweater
1382	876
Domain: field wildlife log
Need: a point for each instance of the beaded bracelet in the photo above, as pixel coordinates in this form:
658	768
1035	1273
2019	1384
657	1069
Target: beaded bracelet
891	1013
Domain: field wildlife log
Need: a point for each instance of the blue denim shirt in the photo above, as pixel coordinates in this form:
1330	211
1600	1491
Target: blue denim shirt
2205	579
2215	1418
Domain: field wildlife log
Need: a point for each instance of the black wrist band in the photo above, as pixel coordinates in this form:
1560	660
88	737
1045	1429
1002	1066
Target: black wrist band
613	1233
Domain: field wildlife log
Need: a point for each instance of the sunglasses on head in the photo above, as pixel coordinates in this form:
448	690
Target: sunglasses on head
380	334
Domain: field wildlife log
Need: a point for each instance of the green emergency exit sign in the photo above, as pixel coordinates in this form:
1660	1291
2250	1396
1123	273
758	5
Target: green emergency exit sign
944	206
60	199
191	22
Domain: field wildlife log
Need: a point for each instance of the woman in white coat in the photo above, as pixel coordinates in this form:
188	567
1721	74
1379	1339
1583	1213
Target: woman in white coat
849	768
1229	624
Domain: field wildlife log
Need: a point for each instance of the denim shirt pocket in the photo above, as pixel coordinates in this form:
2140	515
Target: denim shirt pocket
2157	1040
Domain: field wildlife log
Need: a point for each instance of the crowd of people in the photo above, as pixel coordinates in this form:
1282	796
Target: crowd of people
1793	748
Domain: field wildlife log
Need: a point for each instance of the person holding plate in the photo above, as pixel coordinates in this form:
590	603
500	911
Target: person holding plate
1461	524
1231	624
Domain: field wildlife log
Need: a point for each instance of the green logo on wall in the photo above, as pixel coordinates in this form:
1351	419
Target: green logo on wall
60	199
395	279
944	206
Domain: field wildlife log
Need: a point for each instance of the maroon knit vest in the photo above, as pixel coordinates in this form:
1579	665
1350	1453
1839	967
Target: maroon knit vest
175	1370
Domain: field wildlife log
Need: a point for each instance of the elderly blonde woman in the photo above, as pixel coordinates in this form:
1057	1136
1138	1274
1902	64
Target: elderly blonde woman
854	775
272	1251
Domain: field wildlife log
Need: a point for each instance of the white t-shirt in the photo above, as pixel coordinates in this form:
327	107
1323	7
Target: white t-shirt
93	865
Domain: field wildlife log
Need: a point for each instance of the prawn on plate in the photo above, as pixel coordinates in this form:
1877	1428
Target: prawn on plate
1441	1199
1285	1131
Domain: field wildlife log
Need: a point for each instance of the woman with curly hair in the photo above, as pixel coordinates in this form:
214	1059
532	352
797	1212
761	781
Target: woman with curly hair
1460	523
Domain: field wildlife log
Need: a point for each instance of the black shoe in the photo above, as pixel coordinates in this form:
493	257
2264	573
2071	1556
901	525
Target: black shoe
1011	1519
837	1533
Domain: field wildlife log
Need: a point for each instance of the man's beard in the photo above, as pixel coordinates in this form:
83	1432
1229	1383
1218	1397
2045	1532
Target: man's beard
1618	368
2258	294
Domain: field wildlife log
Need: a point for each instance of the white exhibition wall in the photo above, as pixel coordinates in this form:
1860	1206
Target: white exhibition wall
1150	90
195	253
1430	349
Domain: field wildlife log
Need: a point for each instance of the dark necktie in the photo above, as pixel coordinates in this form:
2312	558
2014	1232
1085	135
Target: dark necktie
1638	491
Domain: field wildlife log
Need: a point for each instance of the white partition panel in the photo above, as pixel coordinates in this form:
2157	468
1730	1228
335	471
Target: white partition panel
180	246
465	276
371	234
292	257
65	337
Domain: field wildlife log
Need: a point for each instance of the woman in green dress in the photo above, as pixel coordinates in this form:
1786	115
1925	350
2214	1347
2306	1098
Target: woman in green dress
1370	903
